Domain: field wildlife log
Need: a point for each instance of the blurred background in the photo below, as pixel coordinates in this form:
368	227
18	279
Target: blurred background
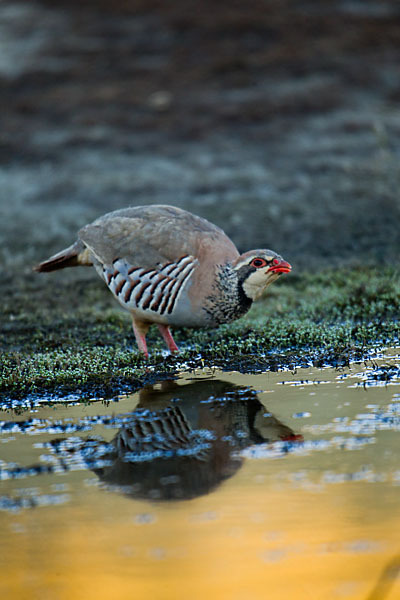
278	120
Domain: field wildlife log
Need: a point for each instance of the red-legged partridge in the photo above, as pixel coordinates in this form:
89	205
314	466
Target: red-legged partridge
170	267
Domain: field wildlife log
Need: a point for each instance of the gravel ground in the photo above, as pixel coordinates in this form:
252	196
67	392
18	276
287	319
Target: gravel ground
278	120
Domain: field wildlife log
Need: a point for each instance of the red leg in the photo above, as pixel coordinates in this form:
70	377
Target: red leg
167	337
140	335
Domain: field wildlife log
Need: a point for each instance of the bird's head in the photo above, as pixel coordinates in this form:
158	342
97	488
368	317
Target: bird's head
257	269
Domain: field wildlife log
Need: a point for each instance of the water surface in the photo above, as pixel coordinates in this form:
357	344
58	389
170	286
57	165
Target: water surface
242	487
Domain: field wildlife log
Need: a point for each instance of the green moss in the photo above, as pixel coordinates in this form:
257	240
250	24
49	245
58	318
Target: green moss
81	342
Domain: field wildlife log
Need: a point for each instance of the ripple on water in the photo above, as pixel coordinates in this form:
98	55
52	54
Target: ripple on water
187	436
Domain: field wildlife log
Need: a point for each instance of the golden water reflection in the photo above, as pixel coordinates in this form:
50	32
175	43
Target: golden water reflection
207	487
183	441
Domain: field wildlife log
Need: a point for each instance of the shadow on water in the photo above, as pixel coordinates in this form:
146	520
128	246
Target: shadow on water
181	441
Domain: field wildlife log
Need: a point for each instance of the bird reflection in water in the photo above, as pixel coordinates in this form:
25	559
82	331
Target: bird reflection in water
182	441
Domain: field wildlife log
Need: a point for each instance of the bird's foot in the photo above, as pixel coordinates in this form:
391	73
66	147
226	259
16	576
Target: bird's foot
167	337
140	340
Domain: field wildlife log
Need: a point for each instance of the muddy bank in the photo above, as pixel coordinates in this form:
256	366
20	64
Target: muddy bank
78	342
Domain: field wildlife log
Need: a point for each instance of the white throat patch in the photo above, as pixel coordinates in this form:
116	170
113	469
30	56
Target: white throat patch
256	283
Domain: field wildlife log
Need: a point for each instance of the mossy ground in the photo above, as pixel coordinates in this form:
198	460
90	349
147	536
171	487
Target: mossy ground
77	340
295	151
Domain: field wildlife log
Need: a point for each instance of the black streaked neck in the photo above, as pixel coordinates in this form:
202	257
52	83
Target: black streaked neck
228	300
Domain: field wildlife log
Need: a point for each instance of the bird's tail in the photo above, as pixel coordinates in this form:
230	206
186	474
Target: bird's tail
73	256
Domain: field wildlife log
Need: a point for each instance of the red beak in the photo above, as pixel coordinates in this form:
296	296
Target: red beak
280	266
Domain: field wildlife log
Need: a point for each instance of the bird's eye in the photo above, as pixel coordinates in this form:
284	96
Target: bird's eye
258	263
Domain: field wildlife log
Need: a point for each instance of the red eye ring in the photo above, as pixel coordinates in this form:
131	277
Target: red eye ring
258	263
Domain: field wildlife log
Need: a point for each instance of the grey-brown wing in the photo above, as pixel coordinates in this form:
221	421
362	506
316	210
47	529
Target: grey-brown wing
146	236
